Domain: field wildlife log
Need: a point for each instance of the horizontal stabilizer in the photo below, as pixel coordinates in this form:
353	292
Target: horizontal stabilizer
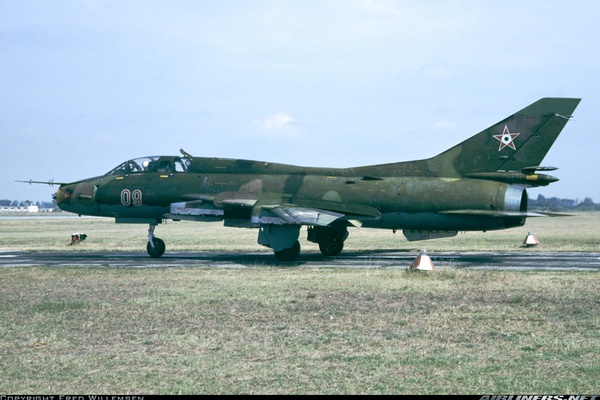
496	213
553	214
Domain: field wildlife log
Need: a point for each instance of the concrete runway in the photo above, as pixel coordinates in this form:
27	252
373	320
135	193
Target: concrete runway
525	260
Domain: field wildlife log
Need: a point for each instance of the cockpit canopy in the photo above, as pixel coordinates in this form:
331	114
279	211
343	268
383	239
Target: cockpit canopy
161	164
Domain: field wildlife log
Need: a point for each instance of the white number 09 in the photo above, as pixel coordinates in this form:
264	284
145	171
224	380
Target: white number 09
128	197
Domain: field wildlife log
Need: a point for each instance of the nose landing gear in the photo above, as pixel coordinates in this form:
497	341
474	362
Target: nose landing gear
155	247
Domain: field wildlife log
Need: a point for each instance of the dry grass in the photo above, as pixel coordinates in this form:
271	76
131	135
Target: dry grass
278	330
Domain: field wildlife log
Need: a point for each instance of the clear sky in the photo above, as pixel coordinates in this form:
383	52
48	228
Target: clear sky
87	84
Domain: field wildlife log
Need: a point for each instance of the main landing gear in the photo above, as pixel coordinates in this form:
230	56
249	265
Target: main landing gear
283	239
155	247
329	238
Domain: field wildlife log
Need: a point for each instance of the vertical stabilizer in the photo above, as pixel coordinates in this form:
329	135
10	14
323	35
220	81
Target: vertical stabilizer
517	142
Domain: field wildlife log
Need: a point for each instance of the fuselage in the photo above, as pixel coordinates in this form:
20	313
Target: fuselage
228	190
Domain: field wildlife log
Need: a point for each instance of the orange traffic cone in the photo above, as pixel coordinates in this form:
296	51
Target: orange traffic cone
530	240
422	262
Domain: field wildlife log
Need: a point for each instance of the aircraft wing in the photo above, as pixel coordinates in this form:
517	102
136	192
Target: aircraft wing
349	210
271	208
300	215
311	212
271	200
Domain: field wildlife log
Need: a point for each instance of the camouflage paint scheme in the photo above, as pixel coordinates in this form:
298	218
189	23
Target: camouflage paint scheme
477	185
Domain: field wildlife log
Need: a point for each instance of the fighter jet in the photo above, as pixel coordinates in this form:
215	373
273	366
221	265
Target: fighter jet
478	185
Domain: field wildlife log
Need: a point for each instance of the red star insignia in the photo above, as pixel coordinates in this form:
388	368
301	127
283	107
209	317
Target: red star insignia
506	139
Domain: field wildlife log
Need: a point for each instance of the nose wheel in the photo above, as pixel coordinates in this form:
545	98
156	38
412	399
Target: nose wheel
155	247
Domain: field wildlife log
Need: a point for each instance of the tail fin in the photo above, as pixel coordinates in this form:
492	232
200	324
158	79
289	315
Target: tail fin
519	142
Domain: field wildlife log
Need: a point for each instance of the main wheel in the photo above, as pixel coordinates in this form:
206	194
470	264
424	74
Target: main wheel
330	239
332	246
289	254
157	250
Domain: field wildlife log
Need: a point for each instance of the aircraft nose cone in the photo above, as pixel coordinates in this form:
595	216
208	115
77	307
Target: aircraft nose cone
63	195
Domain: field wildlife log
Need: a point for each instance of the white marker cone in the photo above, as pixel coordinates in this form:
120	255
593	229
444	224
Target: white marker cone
530	240
422	262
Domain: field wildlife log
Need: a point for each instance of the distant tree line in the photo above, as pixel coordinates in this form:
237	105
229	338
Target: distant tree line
555	204
27	203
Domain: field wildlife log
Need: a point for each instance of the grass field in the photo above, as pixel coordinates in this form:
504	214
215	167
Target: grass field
294	330
577	233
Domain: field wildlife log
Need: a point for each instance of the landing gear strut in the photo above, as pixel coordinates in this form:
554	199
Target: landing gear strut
155	247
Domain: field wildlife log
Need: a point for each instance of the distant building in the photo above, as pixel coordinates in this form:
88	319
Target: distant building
28	209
